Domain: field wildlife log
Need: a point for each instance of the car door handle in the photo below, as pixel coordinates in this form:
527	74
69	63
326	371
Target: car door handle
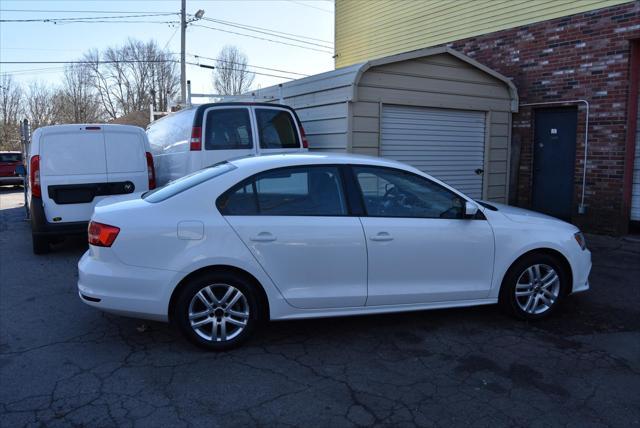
263	237
382	236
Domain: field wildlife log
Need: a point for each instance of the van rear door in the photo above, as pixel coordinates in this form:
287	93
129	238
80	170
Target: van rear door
278	130
126	158
72	164
227	133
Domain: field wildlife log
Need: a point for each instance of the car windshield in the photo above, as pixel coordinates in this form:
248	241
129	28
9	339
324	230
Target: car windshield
187	182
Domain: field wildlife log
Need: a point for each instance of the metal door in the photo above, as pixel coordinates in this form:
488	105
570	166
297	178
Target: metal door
448	144
554	155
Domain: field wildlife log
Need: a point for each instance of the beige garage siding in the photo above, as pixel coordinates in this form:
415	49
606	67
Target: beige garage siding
440	81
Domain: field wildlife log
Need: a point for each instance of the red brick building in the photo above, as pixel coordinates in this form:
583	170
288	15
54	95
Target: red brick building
576	67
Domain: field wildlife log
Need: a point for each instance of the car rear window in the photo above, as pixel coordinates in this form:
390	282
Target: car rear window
10	157
187	182
277	129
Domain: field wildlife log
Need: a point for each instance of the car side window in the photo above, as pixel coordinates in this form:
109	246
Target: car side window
277	129
391	192
228	129
295	191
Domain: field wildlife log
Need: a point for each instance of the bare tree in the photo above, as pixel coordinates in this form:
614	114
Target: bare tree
130	77
231	76
40	105
77	100
10	110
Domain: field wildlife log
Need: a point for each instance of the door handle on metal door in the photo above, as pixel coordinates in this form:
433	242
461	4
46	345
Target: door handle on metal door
382	236
263	237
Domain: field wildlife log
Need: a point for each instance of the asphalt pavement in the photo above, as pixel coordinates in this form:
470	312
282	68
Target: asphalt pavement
63	363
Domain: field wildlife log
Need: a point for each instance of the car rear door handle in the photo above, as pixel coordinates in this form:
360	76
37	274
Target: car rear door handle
263	237
382	236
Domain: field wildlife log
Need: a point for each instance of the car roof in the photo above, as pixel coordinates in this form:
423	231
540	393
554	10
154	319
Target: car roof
293	159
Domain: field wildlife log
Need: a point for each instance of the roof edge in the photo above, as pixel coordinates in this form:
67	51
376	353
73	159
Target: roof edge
419	53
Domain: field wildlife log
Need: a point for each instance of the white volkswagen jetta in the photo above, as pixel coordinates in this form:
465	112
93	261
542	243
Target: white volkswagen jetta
302	236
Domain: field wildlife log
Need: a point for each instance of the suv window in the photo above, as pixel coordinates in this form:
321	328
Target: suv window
228	129
277	129
295	191
390	192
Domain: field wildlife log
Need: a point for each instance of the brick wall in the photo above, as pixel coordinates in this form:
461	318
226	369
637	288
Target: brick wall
583	56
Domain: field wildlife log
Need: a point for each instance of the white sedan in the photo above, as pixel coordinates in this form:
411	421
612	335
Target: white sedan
304	236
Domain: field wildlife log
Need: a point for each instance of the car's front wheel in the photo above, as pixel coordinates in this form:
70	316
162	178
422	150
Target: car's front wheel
534	286
217	311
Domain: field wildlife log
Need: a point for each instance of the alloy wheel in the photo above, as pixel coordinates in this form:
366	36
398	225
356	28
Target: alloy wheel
537	289
218	312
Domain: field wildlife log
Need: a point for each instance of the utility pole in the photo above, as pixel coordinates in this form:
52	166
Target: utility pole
183	65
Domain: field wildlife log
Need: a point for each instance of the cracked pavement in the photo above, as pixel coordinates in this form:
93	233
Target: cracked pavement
63	363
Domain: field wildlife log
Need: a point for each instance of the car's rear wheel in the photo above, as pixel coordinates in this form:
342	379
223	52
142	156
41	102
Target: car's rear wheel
534	286
217	311
40	244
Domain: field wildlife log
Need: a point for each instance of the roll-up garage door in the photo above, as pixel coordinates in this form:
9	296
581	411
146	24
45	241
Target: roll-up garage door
635	198
448	144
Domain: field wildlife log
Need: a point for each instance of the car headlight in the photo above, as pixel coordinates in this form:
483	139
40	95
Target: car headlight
580	240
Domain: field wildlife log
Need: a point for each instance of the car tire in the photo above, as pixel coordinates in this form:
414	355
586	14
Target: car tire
211	314
40	244
534	287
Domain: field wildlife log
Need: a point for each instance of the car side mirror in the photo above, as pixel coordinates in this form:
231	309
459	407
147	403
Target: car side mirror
470	209
21	170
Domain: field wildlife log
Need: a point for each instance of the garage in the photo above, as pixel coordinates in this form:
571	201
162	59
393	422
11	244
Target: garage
435	109
448	144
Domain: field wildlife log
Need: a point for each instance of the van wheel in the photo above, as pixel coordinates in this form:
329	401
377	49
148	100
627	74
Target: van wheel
217	311
40	244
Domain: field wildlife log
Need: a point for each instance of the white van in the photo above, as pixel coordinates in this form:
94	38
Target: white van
193	138
73	167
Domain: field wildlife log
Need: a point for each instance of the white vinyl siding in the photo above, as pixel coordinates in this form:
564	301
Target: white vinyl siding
448	144
635	197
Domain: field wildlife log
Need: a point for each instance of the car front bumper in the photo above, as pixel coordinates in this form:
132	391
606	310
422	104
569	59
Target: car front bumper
581	271
125	290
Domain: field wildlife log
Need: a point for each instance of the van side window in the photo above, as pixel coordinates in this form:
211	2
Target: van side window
228	129
276	129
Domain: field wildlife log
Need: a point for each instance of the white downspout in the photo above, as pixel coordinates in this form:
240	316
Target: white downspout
581	207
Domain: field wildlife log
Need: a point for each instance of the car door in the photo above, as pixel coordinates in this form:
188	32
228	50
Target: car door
297	225
277	130
420	248
227	134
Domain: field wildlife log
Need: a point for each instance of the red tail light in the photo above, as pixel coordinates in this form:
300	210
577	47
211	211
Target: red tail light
102	235
34	176
305	143
196	139
151	171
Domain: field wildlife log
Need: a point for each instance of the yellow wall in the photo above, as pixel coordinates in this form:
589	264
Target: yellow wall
367	29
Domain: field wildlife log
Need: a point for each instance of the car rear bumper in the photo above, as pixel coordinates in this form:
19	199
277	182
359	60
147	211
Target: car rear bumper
125	290
40	225
14	180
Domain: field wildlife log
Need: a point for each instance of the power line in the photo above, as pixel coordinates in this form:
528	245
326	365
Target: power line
262	38
86	18
91	62
249	65
78	11
266	31
308	5
211	67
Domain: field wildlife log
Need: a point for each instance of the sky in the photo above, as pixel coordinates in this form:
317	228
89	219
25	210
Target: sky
48	41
